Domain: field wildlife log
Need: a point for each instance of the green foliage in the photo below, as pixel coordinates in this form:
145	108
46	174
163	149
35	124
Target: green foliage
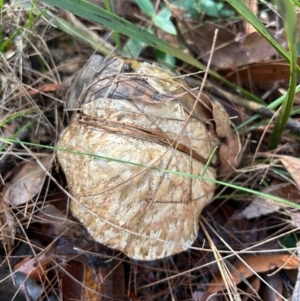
133	47
188	7
160	19
96	14
289	241
213	8
146	7
165	59
116	37
286	8
296	2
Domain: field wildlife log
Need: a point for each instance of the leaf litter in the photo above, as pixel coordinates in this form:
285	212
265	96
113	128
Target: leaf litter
47	246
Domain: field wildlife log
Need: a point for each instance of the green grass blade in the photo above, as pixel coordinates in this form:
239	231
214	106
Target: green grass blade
80	35
116	37
296	2
242	128
286	8
178	173
243	10
96	14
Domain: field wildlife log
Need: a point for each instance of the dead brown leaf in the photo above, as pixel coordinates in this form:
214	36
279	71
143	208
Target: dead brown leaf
254	287
229	152
80	282
27	181
7	224
94	276
87	282
262	206
258	264
292	165
260	75
228	53
35	267
263	75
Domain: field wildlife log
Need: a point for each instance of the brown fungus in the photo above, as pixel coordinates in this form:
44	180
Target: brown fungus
134	124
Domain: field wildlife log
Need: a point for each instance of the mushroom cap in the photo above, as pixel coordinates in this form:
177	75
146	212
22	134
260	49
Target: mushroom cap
129	159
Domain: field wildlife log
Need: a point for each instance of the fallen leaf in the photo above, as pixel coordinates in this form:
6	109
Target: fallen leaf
27	181
261	75
258	264
228	53
295	219
260	206
7	224
88	282
263	206
56	225
35	267
292	165
80	282
252	288
230	149
91	277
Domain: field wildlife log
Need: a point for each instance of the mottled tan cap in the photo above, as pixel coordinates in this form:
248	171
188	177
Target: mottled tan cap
137	113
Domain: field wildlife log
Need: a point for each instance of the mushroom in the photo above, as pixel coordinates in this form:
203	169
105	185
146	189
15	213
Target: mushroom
138	157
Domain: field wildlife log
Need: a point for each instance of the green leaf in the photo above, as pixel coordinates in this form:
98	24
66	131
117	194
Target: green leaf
146	7
133	48
187	6
286	8
184	4
165	59
226	13
96	14
209	7
162	20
